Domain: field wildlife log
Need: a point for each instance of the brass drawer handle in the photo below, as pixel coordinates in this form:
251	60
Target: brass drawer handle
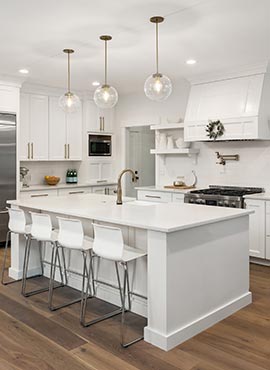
39	195
152	196
77	192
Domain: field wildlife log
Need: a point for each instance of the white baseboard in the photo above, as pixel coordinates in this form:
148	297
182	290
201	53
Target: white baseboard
167	342
17	274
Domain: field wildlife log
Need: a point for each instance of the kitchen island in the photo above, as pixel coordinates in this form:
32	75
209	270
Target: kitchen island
196	272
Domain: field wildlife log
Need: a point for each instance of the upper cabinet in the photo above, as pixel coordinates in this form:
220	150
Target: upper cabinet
46	132
34	127
239	103
65	133
98	120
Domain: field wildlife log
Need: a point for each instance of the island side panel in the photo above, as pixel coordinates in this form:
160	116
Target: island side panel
197	277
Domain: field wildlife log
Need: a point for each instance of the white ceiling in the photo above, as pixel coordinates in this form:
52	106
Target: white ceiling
219	34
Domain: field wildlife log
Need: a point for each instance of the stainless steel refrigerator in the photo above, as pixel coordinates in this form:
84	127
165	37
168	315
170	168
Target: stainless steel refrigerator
7	167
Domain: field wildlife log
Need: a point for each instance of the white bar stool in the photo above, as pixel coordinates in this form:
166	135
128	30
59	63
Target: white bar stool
71	237
109	244
41	231
17	225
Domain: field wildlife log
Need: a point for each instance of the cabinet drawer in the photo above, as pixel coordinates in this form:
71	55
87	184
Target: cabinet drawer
73	191
178	198
38	194
154	196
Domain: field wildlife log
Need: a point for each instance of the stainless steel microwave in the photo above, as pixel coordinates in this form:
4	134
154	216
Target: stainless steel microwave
99	145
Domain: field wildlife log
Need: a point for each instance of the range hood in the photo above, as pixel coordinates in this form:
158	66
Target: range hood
241	102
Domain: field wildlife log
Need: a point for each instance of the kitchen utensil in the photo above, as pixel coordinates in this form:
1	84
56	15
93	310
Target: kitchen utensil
190	179
52	180
181	144
162	141
23	172
170	142
179	181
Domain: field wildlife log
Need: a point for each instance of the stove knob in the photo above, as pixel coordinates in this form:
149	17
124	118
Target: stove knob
233	205
226	203
191	200
220	204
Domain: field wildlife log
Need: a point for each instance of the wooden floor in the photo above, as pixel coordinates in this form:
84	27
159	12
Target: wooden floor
33	338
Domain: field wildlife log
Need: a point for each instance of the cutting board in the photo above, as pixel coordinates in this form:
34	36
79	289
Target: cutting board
185	187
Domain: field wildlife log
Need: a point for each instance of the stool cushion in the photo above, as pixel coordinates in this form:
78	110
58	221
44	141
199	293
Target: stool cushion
131	253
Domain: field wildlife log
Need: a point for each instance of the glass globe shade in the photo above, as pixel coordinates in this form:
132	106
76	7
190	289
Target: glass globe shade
105	96
158	87
69	102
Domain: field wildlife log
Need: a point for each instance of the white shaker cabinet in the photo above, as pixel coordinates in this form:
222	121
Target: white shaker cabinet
65	133
256	228
97	119
34	127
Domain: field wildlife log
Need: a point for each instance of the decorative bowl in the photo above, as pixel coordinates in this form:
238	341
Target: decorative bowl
52	180
181	144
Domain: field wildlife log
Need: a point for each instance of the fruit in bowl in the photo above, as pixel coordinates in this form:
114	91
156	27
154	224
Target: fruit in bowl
52	180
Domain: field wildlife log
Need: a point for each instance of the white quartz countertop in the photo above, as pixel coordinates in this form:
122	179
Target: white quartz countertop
64	186
165	190
259	196
164	217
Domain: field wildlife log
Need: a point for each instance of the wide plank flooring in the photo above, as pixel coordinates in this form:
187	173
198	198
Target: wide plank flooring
33	338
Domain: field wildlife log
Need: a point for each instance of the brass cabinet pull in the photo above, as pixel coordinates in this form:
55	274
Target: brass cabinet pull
39	195
152	196
32	150
68	152
28	150
103	123
65	147
100	123
77	192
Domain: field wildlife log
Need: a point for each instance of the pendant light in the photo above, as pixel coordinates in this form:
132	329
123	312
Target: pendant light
157	86
106	96
69	102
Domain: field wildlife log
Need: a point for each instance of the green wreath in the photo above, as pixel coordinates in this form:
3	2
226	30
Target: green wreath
215	129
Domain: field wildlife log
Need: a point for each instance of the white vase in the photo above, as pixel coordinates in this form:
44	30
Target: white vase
170	142
162	141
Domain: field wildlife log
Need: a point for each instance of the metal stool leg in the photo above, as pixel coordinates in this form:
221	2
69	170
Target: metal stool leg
5	259
51	284
25	270
126	291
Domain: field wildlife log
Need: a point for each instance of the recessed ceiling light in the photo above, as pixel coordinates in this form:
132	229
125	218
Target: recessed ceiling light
95	83
24	71
191	61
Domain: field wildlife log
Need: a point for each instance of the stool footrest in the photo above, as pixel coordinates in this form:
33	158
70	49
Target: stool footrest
41	290
126	345
102	318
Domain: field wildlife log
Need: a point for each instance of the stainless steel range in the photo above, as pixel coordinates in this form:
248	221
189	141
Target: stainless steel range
222	196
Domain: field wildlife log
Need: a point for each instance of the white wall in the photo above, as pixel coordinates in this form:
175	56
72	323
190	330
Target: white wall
253	168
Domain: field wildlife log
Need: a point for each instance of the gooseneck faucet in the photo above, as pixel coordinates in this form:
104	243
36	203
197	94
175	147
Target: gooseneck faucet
119	184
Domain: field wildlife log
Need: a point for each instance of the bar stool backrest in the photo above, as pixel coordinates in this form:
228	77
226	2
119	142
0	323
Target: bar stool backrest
108	242
71	233
41	226
17	220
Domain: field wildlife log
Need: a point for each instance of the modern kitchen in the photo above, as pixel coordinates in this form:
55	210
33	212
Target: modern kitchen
135	190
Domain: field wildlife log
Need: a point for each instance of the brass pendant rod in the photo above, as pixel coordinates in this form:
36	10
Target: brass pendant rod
68	72
106	62
157	66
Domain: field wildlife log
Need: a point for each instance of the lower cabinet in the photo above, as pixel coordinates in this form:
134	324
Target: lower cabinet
257	228
38	194
107	190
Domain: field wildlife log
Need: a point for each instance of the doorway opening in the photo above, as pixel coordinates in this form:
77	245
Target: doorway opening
139	141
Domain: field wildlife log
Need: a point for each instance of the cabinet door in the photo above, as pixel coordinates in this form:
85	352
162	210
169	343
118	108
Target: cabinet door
99	190
39	127
256	228
91	116
24	128
74	135
178	198
106	118
57	131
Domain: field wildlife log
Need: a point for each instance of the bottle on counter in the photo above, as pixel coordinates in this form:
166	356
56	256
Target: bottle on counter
69	176
75	177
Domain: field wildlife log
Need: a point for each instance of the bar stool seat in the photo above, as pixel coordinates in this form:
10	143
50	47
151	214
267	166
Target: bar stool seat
41	231
17	225
130	253
71	237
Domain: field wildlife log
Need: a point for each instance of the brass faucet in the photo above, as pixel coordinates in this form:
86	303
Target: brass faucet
119	185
